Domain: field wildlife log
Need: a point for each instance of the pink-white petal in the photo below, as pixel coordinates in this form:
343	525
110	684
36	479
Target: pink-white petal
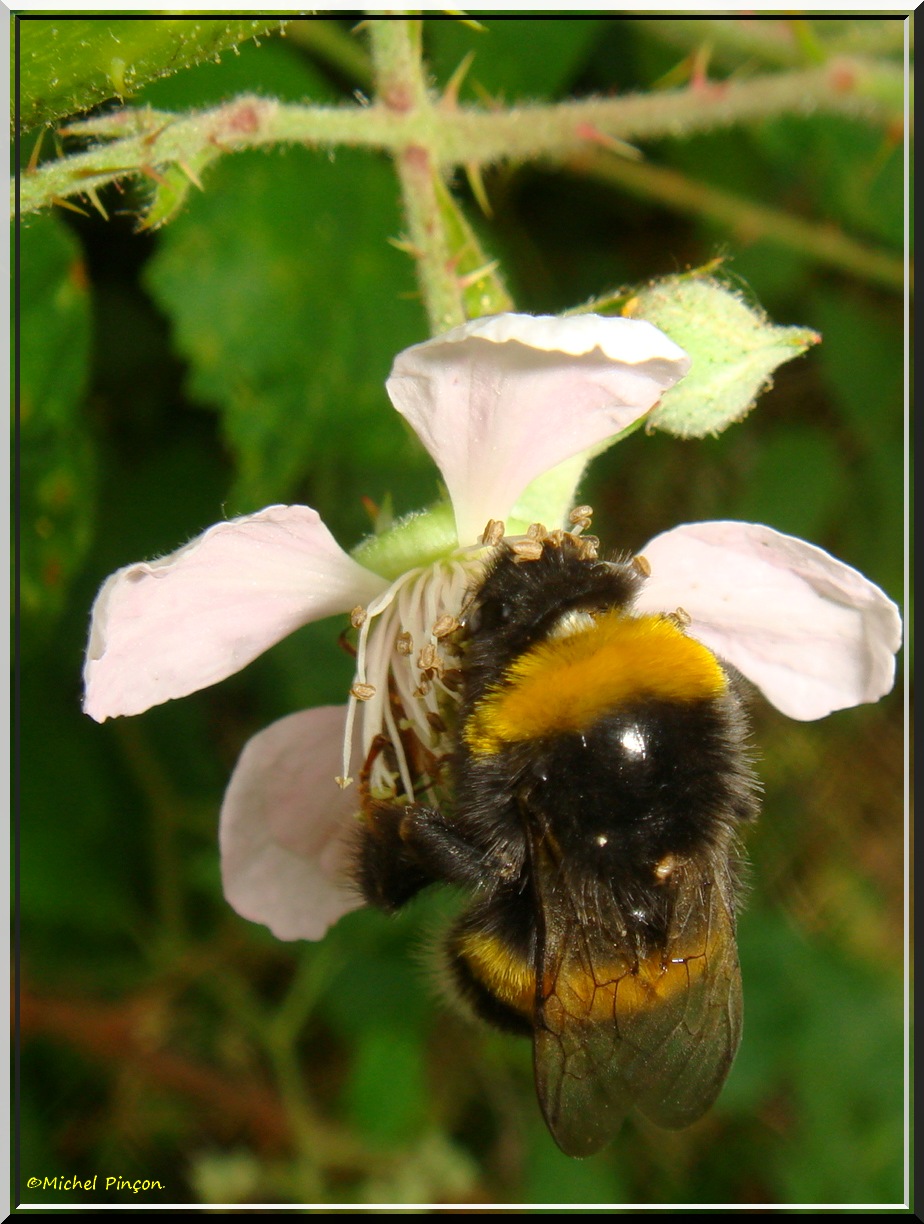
503	399
166	628
285	826
813	634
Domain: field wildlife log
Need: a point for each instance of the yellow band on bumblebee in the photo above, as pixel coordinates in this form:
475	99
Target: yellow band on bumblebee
564	684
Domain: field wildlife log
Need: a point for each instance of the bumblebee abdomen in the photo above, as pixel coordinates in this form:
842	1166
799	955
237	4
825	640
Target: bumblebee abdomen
491	955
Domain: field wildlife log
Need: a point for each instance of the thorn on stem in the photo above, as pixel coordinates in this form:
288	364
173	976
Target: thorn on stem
450	98
191	174
34	155
593	134
476	183
62	203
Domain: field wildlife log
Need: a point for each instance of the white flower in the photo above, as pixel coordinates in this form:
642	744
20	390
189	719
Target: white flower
497	403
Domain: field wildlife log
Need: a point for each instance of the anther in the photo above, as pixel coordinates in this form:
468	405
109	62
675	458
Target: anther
444	625
642	565
526	550
358	617
493	532
362	692
580	517
429	658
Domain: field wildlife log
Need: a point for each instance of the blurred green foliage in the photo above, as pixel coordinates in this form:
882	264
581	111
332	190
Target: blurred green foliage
237	357
57	459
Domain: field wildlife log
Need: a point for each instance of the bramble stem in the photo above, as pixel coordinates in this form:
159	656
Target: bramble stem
142	142
397	59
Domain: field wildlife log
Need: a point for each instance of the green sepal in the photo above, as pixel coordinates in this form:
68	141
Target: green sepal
484	292
418	539
734	349
172	187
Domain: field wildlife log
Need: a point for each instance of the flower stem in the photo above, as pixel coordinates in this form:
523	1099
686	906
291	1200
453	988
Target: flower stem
401	87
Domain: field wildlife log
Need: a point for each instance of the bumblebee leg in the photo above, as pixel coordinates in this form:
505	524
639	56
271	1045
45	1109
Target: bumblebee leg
405	847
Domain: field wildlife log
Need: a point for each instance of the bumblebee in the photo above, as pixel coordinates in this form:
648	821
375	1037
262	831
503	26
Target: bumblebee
600	779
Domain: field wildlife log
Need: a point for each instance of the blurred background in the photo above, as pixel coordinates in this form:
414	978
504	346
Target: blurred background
215	366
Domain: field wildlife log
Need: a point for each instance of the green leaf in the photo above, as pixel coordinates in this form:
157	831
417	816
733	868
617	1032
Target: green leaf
274	69
57	464
69	64
513	59
734	348
288	303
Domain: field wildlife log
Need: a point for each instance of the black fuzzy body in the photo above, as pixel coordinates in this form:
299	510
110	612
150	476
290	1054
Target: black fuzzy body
608	846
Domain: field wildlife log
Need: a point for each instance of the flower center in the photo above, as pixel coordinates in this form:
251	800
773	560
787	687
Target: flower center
408	678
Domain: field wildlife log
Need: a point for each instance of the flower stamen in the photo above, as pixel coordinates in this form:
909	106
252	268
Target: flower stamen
493	532
580	518
409	709
527	550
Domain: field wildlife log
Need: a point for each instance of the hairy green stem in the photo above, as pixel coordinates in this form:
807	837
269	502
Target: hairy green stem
401	87
147	143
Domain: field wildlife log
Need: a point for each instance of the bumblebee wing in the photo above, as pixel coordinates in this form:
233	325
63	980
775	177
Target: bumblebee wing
697	1016
613	1033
